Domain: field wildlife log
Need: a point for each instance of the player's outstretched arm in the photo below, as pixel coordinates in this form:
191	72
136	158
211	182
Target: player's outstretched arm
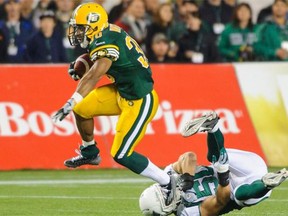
214	204
86	84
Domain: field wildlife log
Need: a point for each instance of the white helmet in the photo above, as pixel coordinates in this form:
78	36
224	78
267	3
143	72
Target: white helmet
152	202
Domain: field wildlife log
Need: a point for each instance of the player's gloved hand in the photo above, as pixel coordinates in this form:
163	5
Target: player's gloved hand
186	182
72	72
222	167
64	111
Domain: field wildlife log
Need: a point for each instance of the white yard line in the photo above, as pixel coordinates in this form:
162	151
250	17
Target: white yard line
66	197
94	197
73	181
276	200
281	188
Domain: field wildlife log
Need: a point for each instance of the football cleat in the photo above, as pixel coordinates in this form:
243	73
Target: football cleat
202	124
274	179
80	160
169	191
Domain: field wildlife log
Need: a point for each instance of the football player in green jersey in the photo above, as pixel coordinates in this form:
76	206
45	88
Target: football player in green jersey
130	95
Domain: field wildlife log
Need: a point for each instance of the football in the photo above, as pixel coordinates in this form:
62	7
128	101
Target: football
82	64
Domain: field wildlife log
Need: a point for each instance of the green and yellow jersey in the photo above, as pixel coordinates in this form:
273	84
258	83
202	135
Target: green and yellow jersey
130	70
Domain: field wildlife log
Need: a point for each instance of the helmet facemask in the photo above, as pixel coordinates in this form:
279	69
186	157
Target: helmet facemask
79	34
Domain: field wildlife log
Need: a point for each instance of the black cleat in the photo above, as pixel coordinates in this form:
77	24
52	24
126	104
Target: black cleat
80	160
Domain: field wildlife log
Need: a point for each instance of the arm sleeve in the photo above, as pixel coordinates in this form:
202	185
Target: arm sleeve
108	51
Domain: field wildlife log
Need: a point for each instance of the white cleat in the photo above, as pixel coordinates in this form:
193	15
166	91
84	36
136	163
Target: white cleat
202	124
274	179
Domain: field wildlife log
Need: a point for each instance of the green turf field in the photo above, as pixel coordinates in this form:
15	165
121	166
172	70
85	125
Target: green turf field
94	192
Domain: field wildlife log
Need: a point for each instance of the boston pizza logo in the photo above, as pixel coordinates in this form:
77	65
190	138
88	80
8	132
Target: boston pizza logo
92	17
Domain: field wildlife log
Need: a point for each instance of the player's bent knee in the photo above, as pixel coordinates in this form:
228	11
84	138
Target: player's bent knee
78	116
79	113
84	110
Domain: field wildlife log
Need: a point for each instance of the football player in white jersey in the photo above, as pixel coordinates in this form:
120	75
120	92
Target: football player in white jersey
152	202
250	182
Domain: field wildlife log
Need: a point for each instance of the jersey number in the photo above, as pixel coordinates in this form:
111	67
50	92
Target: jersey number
130	43
206	188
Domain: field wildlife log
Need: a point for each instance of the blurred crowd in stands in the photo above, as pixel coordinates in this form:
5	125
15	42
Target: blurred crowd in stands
169	31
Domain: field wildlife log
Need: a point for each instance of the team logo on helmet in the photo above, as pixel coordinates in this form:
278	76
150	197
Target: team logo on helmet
93	17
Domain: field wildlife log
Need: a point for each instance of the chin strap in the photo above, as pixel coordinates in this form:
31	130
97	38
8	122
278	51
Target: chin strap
85	43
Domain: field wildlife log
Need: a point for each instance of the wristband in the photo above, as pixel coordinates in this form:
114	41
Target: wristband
77	97
223	178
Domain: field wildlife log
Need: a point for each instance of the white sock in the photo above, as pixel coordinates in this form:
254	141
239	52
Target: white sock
215	128
155	173
85	143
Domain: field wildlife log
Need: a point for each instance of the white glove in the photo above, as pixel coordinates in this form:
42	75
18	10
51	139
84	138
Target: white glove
222	165
64	111
72	72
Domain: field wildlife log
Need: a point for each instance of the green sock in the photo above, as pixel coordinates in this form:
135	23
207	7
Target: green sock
89	151
215	142
255	190
135	162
